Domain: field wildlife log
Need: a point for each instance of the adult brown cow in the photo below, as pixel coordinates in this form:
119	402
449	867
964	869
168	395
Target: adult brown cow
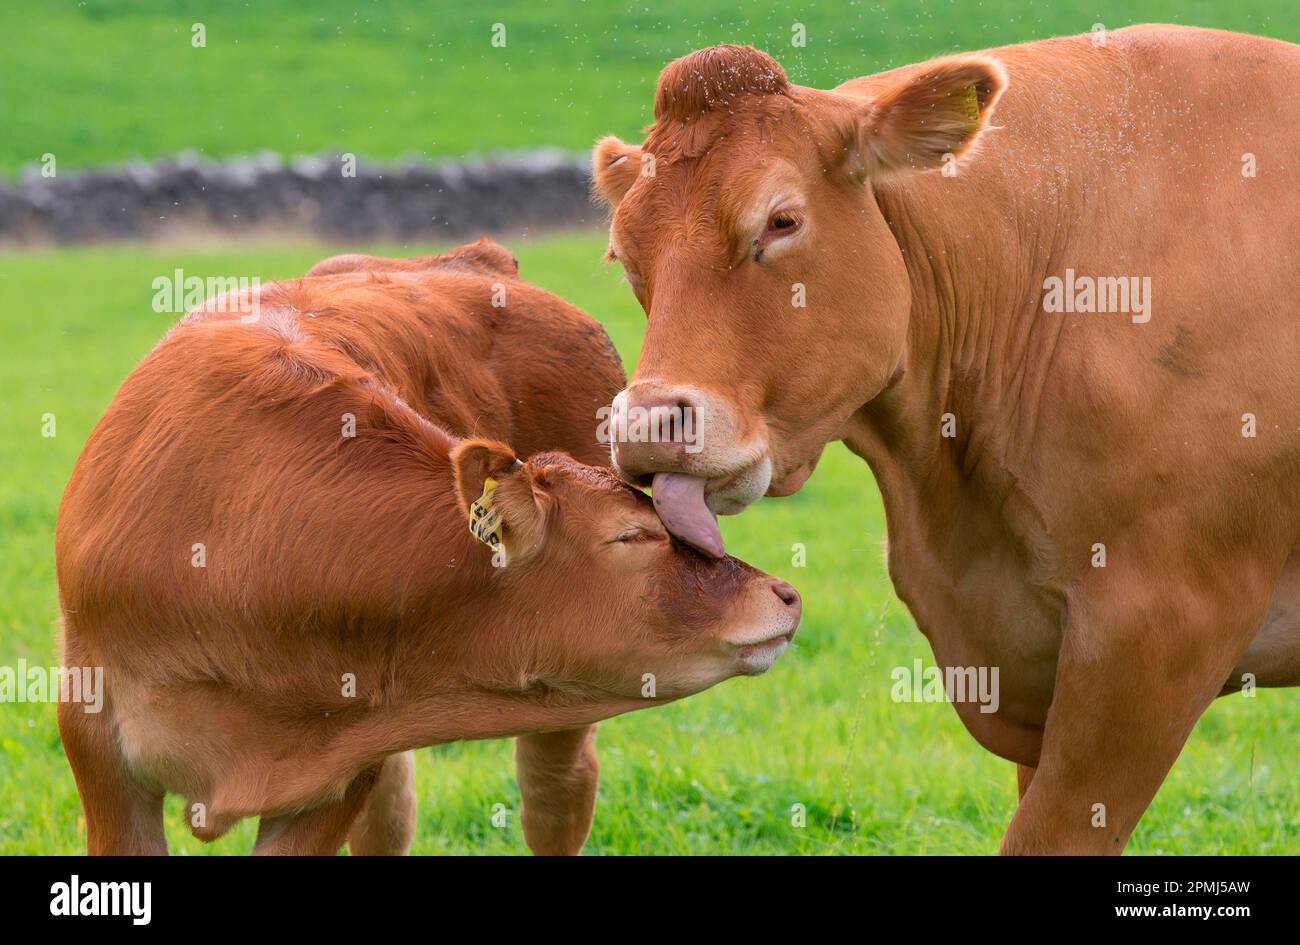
1049	293
264	545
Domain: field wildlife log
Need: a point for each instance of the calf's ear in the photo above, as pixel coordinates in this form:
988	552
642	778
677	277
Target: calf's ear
614	169
930	119
495	491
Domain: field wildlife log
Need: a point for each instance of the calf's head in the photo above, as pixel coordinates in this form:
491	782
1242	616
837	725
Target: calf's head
595	599
776	294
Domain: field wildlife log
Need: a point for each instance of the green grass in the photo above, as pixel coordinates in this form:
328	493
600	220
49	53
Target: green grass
107	80
718	773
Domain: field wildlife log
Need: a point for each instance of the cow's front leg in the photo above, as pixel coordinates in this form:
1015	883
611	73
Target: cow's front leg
557	774
1140	661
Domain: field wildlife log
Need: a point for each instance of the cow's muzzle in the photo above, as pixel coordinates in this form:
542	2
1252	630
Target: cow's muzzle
665	436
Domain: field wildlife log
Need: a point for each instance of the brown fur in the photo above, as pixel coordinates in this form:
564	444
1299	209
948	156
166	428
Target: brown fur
924	296
330	557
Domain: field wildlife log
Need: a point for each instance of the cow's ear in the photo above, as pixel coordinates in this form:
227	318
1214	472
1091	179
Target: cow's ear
614	169
496	494
931	118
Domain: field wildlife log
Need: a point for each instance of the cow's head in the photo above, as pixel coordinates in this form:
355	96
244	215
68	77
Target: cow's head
776	294
595	597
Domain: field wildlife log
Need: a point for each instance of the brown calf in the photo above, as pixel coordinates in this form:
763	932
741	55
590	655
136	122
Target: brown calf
265	546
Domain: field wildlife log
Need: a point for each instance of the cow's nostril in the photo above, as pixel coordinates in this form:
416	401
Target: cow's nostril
786	592
651	434
669	420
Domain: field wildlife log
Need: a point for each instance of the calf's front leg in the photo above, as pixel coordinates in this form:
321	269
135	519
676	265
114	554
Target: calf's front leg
557	774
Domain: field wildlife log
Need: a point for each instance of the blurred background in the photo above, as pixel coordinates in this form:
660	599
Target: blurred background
139	137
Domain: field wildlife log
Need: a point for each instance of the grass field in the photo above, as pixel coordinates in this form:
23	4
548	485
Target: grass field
107	80
719	773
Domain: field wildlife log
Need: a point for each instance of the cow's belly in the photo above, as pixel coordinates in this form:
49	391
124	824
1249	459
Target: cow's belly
1273	657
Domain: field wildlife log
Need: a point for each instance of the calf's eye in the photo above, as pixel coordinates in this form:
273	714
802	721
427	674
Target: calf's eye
639	535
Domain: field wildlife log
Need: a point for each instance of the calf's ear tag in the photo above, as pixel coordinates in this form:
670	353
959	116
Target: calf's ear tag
484	519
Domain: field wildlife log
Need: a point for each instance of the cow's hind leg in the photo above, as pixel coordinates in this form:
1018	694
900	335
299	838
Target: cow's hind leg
319	831
557	774
386	824
123	815
1140	661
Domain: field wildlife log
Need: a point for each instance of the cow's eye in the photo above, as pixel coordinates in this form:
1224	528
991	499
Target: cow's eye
779	225
783	222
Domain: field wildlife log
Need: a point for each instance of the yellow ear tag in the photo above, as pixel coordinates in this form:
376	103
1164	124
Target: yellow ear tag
971	104
484	520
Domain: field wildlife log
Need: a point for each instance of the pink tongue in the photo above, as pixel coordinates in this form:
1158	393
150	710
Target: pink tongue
679	500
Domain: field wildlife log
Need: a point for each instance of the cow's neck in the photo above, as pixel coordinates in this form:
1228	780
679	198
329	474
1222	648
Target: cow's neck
957	414
946	438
